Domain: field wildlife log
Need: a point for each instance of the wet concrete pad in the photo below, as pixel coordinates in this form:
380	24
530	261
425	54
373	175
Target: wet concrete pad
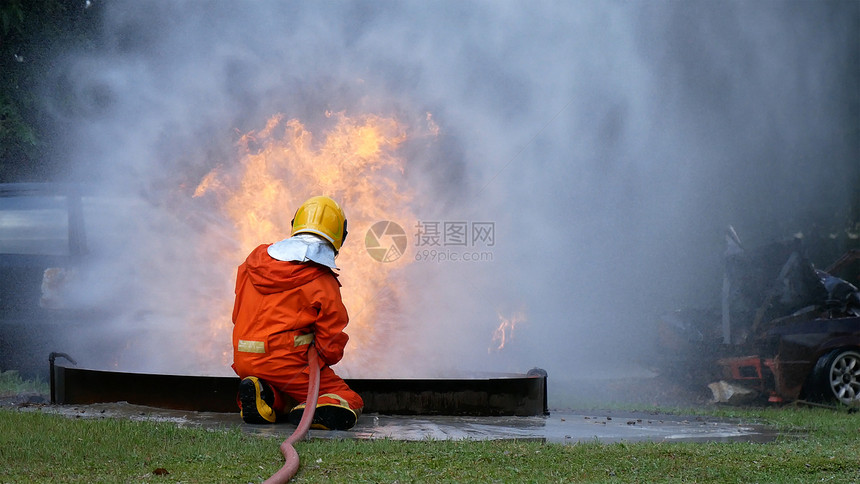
561	426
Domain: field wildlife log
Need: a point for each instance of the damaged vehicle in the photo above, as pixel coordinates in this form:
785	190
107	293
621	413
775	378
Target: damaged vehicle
42	243
784	330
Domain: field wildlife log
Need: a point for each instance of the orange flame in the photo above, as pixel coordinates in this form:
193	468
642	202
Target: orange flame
208	181
355	163
505	331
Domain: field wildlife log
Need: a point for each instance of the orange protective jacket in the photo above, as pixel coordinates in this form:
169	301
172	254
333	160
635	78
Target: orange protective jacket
277	302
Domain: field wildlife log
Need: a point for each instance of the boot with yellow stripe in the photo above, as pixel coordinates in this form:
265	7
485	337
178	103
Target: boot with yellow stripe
328	415
256	399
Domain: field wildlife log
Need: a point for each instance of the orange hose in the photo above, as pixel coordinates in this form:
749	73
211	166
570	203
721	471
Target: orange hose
291	466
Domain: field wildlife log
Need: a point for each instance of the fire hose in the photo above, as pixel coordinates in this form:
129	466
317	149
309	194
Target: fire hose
291	457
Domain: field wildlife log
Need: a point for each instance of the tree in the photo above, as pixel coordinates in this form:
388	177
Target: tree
32	33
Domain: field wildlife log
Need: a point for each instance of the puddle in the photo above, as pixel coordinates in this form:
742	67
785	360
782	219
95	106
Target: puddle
561	426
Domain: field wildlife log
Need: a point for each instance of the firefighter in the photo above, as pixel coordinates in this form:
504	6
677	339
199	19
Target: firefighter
288	298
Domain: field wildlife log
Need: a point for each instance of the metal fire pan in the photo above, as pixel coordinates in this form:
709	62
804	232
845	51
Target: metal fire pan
517	395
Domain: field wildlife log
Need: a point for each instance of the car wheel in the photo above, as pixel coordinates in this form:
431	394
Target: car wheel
837	377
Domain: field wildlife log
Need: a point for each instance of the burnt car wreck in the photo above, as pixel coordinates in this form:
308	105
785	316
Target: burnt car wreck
784	331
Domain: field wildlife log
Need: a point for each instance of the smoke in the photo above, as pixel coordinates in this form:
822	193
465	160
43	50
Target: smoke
609	144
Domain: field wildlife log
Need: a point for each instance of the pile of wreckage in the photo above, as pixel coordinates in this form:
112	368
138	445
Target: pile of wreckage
785	331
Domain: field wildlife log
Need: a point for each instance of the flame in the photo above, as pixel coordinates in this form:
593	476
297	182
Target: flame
356	163
505	332
208	181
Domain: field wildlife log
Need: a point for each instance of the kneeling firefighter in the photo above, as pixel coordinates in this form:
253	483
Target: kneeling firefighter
288	298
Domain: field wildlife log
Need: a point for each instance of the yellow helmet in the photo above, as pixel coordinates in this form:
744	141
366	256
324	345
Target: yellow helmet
321	216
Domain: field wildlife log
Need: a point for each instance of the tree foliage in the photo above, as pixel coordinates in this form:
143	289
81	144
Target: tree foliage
32	34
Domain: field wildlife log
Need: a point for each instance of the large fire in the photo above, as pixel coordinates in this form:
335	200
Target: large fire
356	163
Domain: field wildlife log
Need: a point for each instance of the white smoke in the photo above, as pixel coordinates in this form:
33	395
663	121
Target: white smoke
610	144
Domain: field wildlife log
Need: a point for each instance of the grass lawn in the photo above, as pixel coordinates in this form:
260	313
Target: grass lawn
817	445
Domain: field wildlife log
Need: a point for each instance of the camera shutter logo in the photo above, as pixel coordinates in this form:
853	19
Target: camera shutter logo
385	241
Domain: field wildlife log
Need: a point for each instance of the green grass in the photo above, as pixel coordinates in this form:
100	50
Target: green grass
818	445
12	384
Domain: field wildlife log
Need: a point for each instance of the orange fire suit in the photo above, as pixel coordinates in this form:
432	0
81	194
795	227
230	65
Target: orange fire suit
280	308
